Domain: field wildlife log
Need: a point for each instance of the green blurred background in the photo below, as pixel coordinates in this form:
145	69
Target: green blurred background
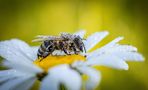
24	19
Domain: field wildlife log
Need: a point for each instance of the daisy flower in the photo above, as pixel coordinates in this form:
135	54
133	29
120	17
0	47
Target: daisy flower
65	71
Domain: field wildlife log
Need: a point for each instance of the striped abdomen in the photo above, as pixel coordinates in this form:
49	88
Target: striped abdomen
45	49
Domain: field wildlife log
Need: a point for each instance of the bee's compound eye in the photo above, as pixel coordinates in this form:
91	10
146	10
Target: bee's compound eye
81	48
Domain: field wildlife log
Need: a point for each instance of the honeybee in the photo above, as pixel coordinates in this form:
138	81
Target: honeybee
68	43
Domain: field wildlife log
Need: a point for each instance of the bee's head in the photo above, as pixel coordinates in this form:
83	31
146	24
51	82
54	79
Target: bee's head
79	42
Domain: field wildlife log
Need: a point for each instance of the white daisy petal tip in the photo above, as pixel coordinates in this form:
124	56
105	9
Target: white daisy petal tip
125	66
130	56
122	65
118	39
137	57
105	32
142	58
94	39
94	79
121	37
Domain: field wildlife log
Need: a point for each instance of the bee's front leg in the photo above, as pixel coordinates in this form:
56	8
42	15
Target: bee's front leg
75	51
38	56
66	52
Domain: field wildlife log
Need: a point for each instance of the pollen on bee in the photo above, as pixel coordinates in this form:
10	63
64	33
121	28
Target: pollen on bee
51	61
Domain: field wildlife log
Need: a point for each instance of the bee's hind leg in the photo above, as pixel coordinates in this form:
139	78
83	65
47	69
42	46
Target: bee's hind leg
39	57
44	56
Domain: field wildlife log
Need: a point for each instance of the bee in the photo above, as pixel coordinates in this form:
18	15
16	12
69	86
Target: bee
68	43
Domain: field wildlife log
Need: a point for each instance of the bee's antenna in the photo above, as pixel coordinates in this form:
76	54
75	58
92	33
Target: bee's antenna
84	49
37	40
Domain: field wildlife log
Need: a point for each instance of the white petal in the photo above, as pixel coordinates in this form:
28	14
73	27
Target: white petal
108	46
6	78
23	66
95	38
81	33
6	72
26	68
11	73
7	75
114	48
114	42
35	50
15	80
125	52
18	54
123	48
108	60
16	50
62	74
50	82
26	85
94	77
12	84
114	55
129	56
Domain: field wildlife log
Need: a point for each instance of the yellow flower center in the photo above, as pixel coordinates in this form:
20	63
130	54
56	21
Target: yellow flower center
50	61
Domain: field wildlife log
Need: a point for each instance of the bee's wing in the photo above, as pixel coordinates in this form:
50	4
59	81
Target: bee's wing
40	38
64	34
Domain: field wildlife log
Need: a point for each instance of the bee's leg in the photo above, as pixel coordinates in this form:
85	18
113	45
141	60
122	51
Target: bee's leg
84	47
50	49
38	56
51	52
45	55
41	59
75	51
65	51
63	46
